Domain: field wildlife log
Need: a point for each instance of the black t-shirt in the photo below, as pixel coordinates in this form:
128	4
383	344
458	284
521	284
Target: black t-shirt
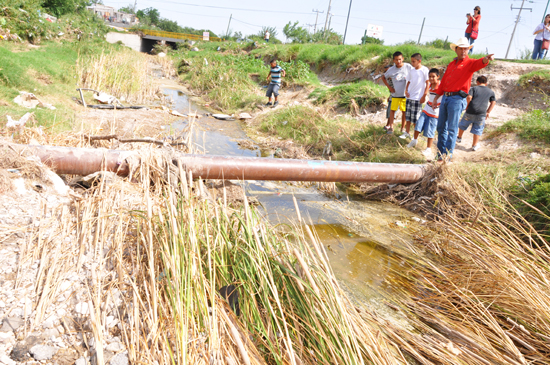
481	96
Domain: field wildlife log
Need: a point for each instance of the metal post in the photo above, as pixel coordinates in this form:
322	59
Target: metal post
421	30
328	13
227	31
346	31
365	37
316	19
514	31
545	10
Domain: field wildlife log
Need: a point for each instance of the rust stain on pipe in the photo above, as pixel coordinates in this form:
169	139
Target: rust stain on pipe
84	161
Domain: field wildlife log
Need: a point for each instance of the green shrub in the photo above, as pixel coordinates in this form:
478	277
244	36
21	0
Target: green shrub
363	94
538	197
533	126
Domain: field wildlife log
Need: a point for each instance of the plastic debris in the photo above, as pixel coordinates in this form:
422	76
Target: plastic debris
162	54
245	116
29	100
176	113
400	224
104	98
222	116
18	123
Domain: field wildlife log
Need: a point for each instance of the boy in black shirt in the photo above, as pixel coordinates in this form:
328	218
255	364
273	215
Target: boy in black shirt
481	102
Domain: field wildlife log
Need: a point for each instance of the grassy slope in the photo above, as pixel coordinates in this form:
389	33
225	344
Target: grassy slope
49	72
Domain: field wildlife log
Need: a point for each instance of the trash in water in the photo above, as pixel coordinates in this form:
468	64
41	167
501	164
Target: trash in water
18	123
245	116
222	116
29	100
176	113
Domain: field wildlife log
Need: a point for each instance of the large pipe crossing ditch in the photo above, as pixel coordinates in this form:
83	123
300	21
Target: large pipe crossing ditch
85	161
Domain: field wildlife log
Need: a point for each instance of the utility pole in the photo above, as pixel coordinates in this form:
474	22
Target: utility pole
545	10
317	18
364	40
421	30
517	21
135	7
227	31
346	31
328	13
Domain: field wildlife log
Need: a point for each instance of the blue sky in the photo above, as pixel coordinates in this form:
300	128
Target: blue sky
401	19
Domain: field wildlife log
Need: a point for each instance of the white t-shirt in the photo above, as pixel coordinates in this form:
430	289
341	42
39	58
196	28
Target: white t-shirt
428	107
266	35
398	78
417	79
542	35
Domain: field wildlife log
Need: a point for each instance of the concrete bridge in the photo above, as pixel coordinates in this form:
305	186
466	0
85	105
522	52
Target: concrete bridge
146	39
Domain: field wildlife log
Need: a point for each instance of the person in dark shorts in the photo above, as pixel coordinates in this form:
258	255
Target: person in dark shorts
481	101
275	75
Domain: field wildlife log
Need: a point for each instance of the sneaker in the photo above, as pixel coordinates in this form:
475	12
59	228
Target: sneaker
412	143
428	153
475	148
275	104
386	127
458	140
404	135
389	131
269	103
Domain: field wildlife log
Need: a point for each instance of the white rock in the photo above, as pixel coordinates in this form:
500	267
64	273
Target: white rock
61	312
7	337
120	359
2	304
114	347
81	361
5	359
81	308
49	323
111	321
42	352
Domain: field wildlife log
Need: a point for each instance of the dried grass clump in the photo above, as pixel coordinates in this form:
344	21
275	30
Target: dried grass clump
26	166
126	75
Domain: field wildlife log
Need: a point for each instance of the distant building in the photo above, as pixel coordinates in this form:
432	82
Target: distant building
110	14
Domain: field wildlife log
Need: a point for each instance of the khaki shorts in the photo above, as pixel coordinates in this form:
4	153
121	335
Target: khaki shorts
399	103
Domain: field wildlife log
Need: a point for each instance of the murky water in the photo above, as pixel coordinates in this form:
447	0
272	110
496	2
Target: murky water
362	239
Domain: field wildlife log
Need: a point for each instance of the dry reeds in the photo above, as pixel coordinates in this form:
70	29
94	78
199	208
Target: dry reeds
126	75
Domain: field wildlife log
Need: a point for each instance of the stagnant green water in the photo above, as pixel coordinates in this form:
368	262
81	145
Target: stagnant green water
363	239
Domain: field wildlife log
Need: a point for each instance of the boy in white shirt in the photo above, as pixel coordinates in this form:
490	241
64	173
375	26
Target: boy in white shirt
427	122
416	92
397	77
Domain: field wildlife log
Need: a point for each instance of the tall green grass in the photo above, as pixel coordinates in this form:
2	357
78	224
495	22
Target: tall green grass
345	56
360	94
533	126
535	78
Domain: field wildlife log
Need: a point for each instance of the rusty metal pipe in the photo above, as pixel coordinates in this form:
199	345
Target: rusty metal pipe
84	161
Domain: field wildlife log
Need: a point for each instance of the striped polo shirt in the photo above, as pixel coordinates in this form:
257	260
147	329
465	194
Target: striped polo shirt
276	75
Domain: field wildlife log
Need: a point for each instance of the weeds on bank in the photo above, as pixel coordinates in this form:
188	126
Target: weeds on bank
234	82
125	74
534	78
352	96
346	56
532	126
349	139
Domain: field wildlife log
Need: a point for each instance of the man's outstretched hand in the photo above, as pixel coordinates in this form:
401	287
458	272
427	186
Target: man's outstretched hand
488	58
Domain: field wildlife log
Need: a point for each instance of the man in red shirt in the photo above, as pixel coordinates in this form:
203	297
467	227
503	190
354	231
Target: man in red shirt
454	88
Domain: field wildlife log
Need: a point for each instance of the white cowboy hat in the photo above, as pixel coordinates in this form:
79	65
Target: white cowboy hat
462	43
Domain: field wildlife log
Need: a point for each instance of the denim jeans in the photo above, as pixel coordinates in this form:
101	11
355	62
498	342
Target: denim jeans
447	123
471	40
538	52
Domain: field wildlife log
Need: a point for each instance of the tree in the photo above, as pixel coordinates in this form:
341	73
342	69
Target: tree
148	16
438	43
62	7
296	33
372	40
272	32
130	9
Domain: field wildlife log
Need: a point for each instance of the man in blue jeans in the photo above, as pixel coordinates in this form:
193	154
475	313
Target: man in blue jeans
454	88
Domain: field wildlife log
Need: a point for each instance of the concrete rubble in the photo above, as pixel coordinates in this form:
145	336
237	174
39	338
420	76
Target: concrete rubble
56	331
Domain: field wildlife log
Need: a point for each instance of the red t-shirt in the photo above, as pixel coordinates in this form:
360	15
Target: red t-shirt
458	75
473	24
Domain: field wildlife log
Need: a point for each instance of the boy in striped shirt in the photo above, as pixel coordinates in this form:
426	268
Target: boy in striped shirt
275	75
